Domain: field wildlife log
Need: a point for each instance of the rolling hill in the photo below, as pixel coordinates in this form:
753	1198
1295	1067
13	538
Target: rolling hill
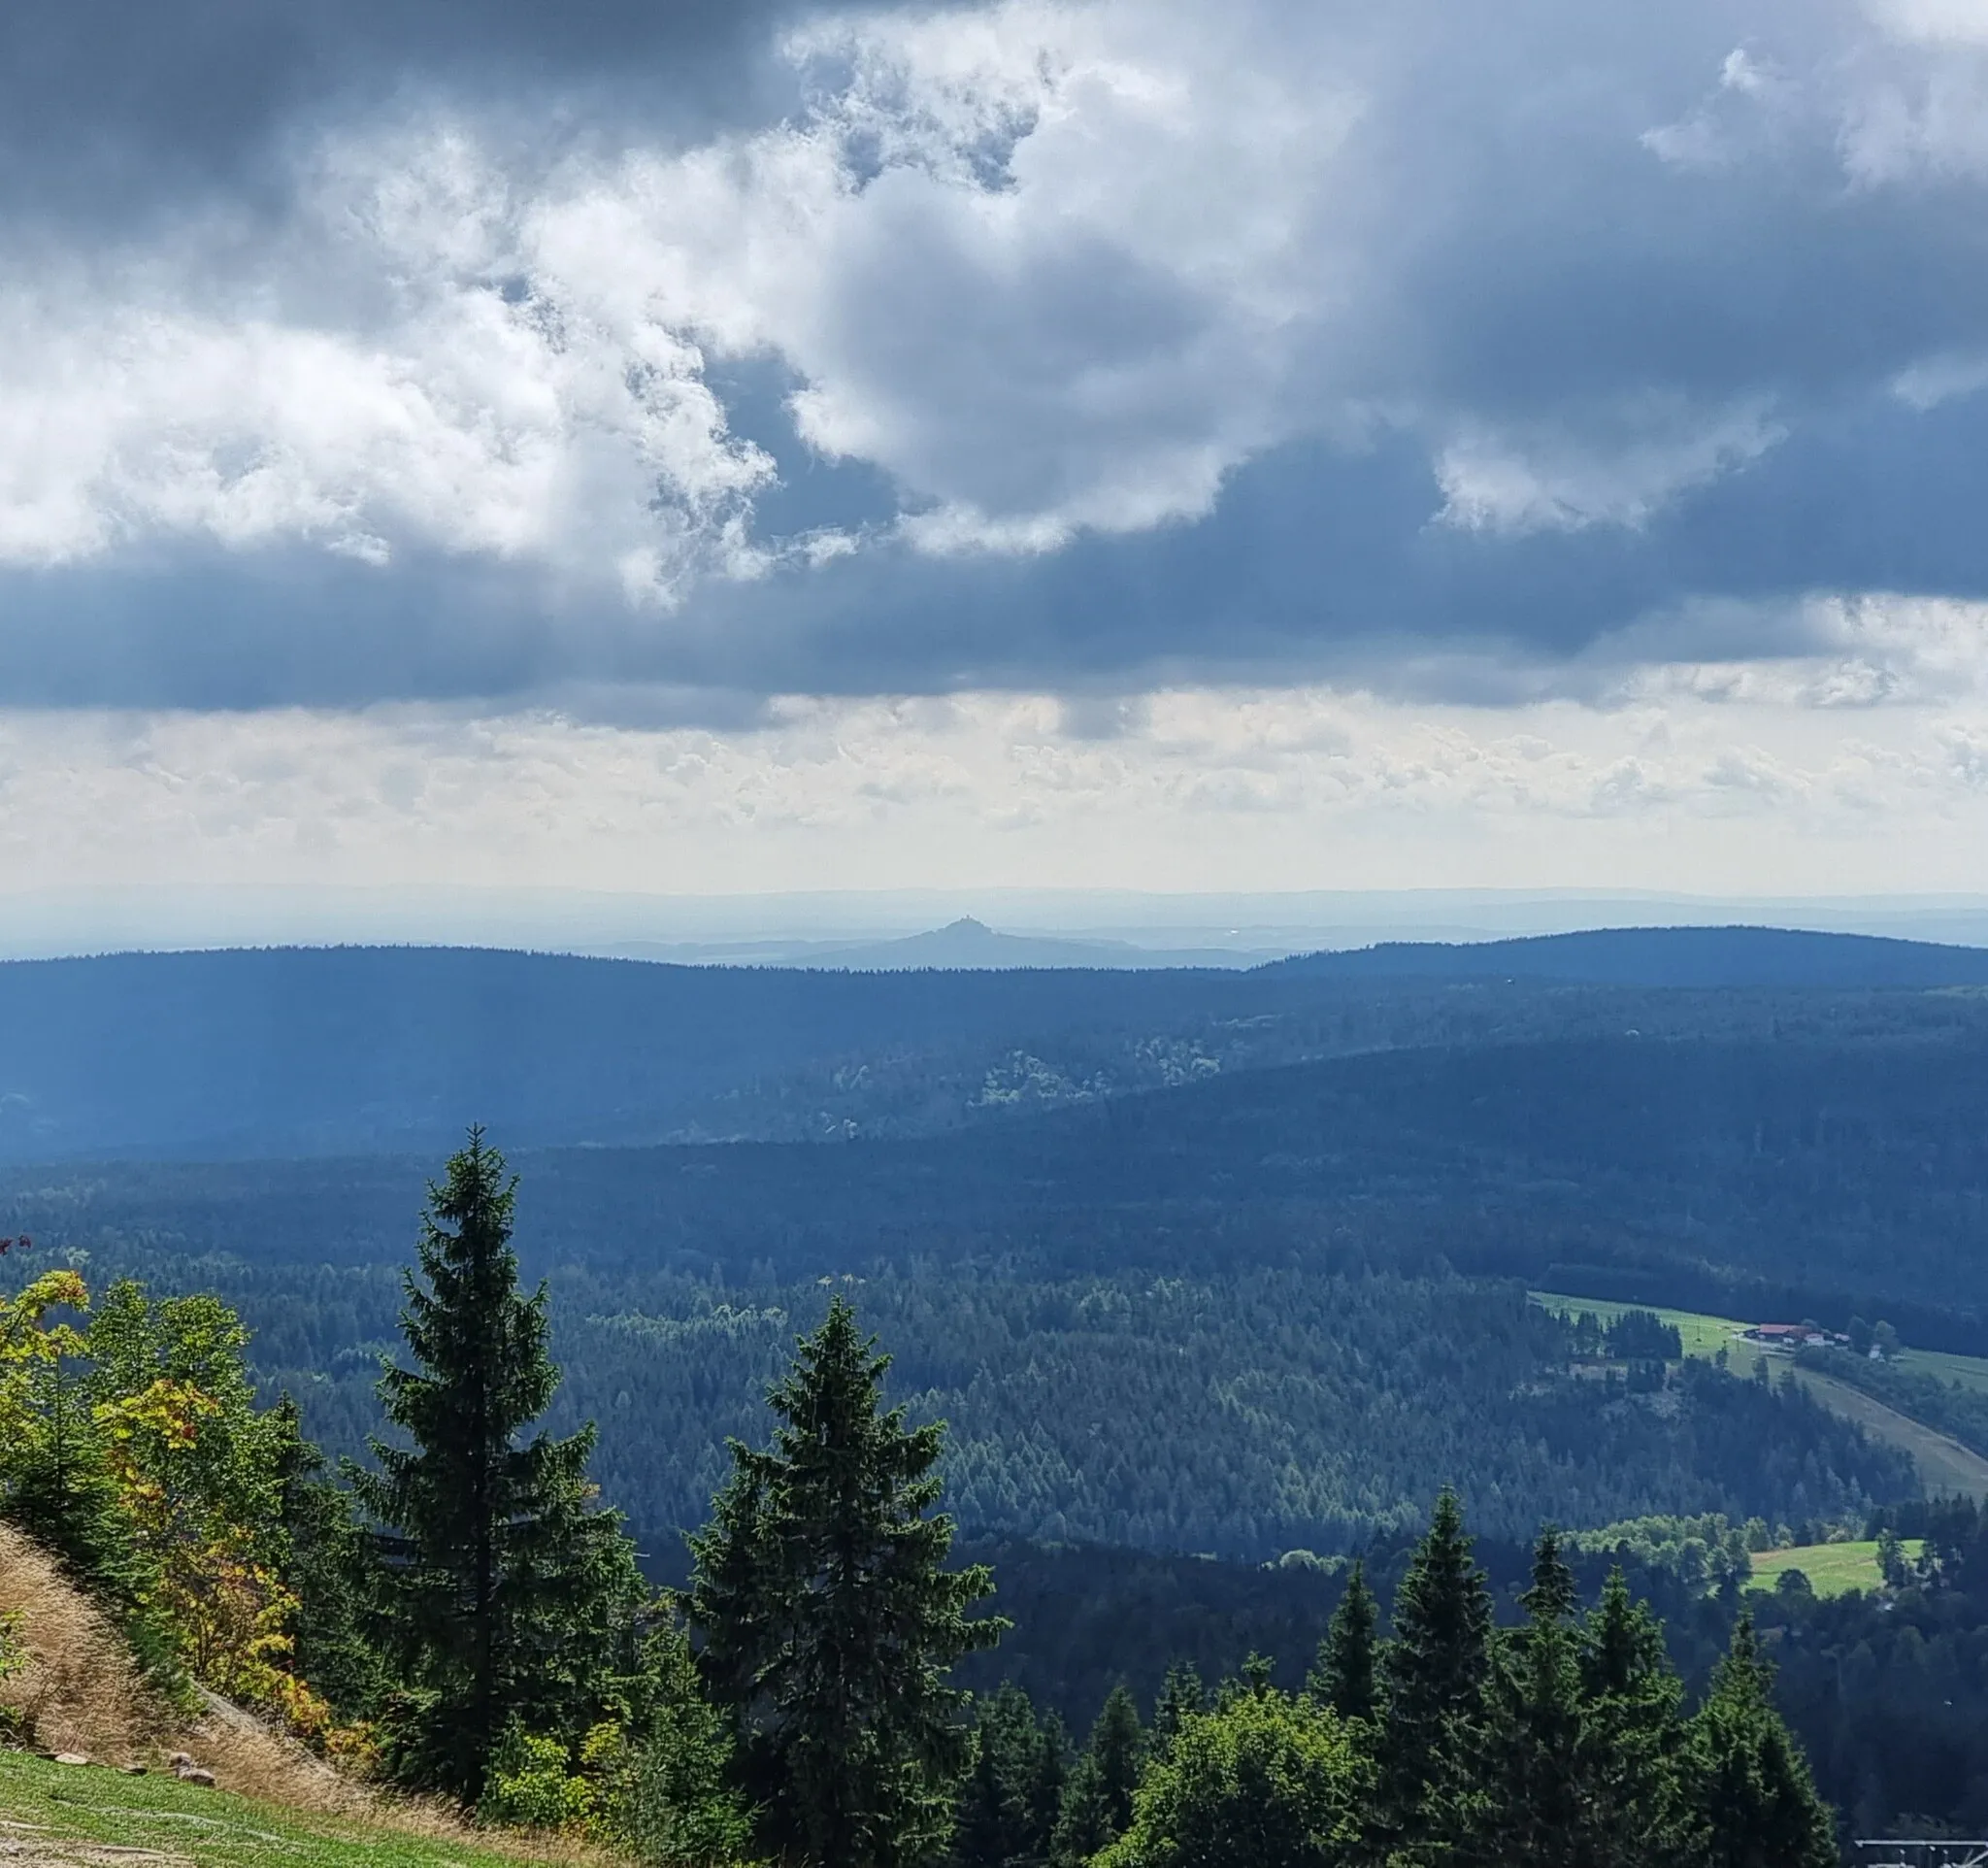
349	1051
1702	957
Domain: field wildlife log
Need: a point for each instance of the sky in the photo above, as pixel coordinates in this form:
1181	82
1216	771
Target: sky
1050	443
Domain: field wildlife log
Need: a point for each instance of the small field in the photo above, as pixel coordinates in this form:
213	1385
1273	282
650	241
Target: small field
1832	1569
1944	1466
1704	1336
44	1806
1970	1371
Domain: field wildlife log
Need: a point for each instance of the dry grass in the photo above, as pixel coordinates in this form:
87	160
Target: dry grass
79	1690
81	1693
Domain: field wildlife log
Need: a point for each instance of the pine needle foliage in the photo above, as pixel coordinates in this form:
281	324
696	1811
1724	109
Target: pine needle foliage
1755	1802
1345	1674
1097	1807
828	1619
1436	1669
1526	1796
511	1594
1014	1786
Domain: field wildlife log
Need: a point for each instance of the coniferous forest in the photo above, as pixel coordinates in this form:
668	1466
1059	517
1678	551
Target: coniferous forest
834	1674
993	934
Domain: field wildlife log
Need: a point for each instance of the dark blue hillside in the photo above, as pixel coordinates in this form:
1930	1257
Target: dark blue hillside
1705	958
323	1051
1815	1165
308	1051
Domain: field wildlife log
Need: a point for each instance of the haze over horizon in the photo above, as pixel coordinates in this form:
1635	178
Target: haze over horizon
1041	443
954	928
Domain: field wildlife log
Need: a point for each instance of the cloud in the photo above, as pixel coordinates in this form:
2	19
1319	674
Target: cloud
1747	791
1494	482
1066	345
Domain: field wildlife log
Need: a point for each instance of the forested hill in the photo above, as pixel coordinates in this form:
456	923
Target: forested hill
324	1050
1823	1167
297	1051
1702	957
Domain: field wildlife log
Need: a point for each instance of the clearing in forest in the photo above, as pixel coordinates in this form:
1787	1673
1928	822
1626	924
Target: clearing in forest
1945	1464
1832	1569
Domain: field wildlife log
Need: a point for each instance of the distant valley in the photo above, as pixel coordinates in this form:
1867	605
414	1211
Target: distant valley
1207	1269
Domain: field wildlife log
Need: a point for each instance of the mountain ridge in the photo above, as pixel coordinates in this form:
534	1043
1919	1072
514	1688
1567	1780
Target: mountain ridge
1700	957
275	1052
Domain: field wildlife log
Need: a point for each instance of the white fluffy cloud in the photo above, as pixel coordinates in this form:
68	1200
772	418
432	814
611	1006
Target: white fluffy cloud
1044	267
1048	266
1486	316
174	396
1506	483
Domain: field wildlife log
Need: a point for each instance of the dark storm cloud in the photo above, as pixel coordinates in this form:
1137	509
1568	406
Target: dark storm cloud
114	110
1315	564
1578	334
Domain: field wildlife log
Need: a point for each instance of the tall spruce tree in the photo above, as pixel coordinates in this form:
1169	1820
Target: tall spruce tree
1433	1670
828	1618
1633	1735
1521	1794
1753	1799
1097	1804
1014	1787
512	1595
1345	1674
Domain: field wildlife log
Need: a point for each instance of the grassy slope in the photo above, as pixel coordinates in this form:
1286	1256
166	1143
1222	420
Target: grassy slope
73	1803
1704	1336
1944	1466
1970	1371
1832	1569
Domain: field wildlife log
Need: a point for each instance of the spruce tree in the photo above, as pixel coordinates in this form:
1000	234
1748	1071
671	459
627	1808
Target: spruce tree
1343	1676
331	1566
1052	1781
670	1795
1434	1671
1519	1792
512	1596
1008	1802
1181	1695
1754	1802
1097	1805
828	1618
1633	1735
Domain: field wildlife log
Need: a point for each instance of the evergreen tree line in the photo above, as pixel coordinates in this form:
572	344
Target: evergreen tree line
1826	1149
1564	1740
464	1616
473	1618
1304	1407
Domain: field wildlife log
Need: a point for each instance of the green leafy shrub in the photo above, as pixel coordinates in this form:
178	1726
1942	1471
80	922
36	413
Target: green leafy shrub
531	1787
1260	1779
667	1794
